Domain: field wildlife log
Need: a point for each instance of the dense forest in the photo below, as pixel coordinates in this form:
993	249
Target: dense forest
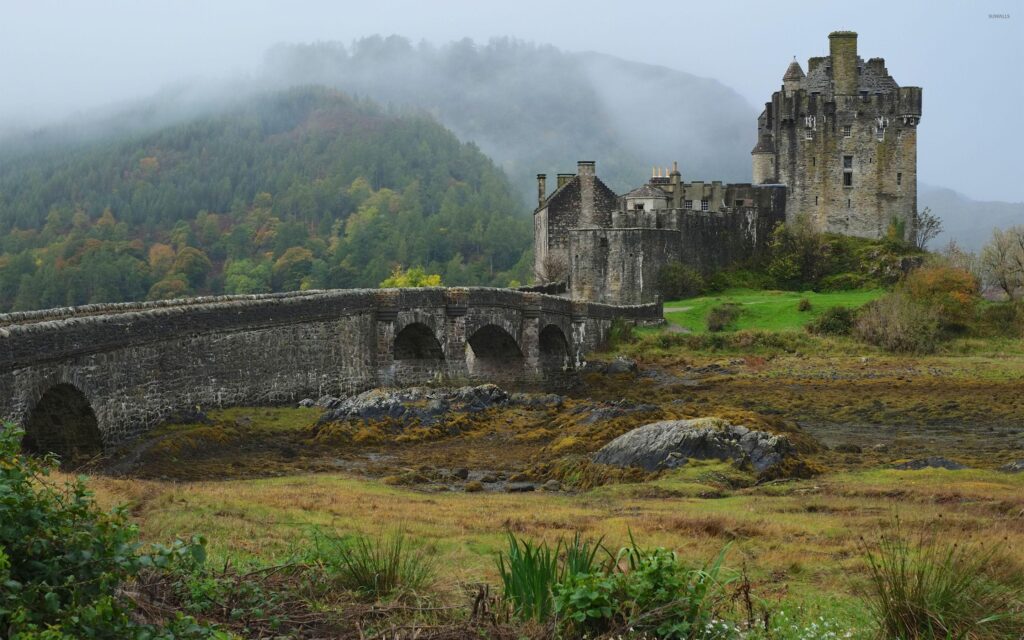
304	188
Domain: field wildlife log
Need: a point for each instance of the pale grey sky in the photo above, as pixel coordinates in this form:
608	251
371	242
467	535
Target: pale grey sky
59	57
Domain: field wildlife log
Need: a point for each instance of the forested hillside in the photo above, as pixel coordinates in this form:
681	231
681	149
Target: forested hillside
537	109
301	189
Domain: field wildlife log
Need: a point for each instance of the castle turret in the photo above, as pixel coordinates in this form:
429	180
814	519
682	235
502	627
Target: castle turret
763	156
585	171
843	51
791	79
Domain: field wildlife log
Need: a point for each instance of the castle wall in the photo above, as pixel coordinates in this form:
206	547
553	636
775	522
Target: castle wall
619	266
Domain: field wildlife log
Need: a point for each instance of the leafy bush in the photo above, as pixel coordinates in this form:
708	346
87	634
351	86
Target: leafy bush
951	292
63	560
803	305
376	567
657	595
737	278
931	589
723	316
413	277
844	282
834	321
897	323
676	280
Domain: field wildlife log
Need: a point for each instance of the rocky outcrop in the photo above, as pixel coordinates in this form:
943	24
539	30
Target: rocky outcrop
1017	466
426	405
671	443
931	462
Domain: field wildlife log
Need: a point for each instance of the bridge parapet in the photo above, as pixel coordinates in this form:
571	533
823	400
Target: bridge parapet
133	365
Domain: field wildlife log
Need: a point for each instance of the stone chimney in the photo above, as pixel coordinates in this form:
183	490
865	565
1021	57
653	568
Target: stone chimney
564	178
585	170
542	188
842	48
677	186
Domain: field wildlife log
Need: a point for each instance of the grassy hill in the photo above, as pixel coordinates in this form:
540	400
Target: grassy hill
766	310
297	189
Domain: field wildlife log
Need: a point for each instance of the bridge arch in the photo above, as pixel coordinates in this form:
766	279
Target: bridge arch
62	421
417	355
555	353
492	352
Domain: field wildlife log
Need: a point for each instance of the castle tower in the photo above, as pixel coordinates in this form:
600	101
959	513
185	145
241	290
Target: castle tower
842	138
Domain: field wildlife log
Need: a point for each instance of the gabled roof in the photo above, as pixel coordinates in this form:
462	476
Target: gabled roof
646	191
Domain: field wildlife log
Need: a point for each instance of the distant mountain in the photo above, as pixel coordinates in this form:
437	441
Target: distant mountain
969	222
536	109
296	189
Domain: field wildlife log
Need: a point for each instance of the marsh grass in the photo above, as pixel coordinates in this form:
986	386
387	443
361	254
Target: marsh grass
530	571
931	589
378	567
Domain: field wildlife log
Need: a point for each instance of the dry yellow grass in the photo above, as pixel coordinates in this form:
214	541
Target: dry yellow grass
800	536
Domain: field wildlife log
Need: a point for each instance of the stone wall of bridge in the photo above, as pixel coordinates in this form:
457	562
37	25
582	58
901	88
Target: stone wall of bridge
122	369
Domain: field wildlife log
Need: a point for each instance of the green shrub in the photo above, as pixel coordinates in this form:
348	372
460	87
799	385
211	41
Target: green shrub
845	282
63	561
898	324
931	589
834	321
676	280
376	567
739	279
658	595
1003	319
804	305
530	572
621	332
721	317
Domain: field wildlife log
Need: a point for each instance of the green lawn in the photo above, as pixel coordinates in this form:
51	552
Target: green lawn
769	310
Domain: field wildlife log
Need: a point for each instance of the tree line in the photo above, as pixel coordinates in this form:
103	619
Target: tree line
301	189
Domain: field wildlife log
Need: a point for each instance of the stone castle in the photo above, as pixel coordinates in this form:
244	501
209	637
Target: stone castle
836	147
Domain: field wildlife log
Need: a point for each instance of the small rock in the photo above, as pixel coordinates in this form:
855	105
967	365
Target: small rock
520	487
931	462
881	447
306	403
489	478
552	485
847	447
474	486
1017	466
621	365
461	473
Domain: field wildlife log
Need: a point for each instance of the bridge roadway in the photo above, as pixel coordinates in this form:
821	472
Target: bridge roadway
80	379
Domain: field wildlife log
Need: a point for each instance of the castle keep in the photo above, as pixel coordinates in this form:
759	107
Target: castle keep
836	146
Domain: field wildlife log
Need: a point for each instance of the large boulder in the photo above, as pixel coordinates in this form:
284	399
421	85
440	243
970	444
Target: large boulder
671	443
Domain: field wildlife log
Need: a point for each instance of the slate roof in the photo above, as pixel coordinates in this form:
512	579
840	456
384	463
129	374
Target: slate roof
794	72
646	191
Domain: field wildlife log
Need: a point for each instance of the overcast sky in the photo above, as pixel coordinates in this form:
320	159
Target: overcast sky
57	58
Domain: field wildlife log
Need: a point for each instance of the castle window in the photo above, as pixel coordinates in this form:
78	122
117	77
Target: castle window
639	206
739	204
847	130
815	200
847	162
880	133
604	243
899	178
863	94
687	204
847	171
704	205
899	134
847	203
814	161
808	134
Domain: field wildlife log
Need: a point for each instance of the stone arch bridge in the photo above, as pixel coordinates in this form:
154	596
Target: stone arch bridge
82	378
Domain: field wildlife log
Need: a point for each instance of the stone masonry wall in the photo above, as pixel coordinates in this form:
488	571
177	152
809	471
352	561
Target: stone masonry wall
138	364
